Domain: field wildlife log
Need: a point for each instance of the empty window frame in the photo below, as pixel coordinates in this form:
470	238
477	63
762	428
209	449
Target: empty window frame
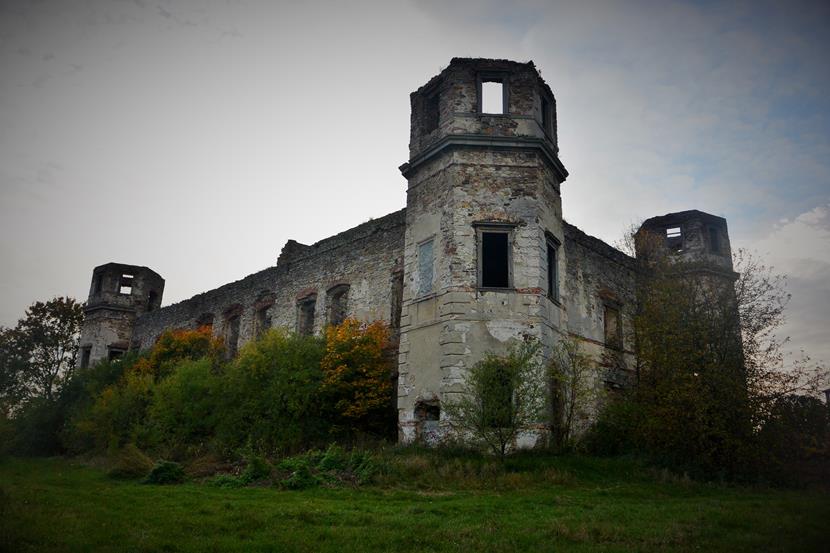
432	112
674	238
152	299
426	262
495	256
305	315
397	299
114	353
262	320
613	326
553	266
546	116
427	417
337	301
714	240
205	320
125	284
97	283
86	353
492	94
232	324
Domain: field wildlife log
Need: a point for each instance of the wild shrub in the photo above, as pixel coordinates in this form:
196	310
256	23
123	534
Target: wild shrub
119	413
174	346
271	395
357	369
332	467
204	465
183	408
166	472
502	395
257	470
131	462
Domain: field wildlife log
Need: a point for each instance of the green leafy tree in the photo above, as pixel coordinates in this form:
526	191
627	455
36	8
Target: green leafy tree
38	355
272	400
502	396
576	389
709	364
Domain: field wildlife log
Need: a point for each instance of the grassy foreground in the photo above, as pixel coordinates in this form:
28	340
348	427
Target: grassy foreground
540	504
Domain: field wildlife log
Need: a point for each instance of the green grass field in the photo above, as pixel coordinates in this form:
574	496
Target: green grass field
547	504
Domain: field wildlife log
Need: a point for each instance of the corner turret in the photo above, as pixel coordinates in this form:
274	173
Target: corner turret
118	294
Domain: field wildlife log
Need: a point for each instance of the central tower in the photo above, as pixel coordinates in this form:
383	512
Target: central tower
484	227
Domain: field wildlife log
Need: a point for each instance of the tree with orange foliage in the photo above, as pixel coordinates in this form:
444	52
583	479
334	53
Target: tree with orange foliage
357	370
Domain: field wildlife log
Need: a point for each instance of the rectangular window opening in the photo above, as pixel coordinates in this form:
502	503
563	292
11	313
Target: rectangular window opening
613	328
263	321
86	353
232	336
338	304
714	240
553	277
305	316
397	299
546	115
125	284
674	239
426	260
492	97
495	260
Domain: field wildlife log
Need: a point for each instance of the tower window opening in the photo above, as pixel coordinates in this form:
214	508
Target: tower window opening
432	112
714	240
492	97
86	353
125	284
305	316
553	273
152	297
674	239
494	258
546	116
97	284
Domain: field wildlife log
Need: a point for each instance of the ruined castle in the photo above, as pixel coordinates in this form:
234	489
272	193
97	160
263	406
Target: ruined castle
479	257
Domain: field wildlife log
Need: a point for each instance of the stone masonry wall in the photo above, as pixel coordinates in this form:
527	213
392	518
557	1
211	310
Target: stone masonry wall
599	275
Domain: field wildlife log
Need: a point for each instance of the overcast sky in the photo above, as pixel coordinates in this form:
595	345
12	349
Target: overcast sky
197	137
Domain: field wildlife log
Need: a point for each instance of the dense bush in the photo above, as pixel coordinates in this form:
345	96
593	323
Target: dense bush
166	472
183	411
126	410
332	467
131	462
272	400
357	369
